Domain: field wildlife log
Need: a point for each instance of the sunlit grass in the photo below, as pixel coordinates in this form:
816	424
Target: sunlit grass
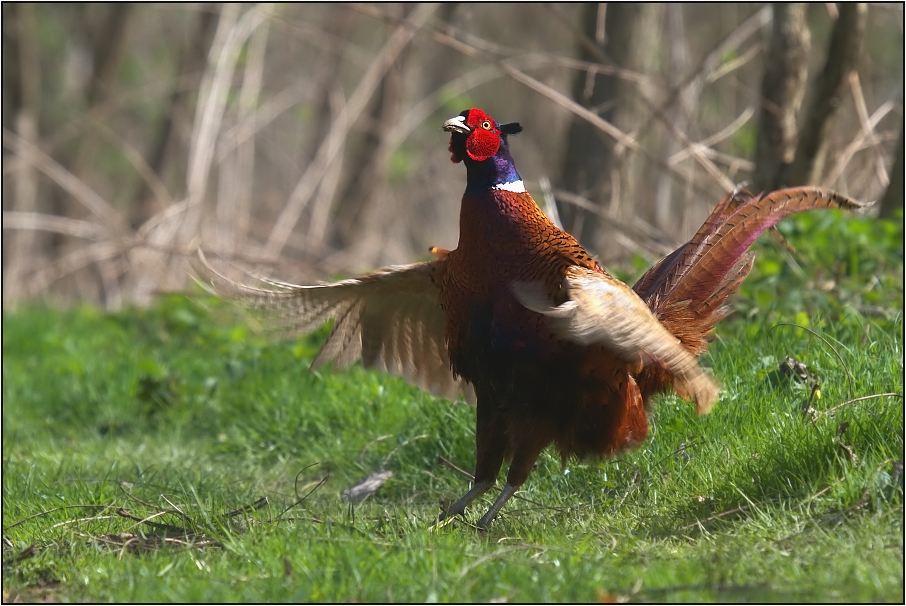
167	426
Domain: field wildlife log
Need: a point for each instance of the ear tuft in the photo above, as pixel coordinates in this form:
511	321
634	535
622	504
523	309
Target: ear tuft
513	128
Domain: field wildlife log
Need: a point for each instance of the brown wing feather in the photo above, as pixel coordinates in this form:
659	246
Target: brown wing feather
390	319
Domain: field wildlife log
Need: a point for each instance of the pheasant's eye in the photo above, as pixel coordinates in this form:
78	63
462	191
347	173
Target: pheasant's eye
486	125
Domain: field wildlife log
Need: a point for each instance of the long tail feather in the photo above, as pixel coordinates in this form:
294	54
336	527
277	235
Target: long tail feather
664	275
739	231
715	257
687	289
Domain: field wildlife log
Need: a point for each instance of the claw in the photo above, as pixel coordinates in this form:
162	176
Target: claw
478	489
440	523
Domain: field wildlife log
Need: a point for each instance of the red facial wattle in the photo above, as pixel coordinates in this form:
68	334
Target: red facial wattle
482	144
484	140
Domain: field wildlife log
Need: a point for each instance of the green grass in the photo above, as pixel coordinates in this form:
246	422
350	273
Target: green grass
179	412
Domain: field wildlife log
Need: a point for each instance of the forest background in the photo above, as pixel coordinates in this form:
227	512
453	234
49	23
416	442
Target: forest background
307	137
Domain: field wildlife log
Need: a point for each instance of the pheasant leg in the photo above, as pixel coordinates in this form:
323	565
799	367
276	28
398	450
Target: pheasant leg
526	454
490	453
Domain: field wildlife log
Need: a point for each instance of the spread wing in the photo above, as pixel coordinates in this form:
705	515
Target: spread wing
390	319
601	309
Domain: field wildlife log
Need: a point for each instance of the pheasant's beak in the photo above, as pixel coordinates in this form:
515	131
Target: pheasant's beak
457	125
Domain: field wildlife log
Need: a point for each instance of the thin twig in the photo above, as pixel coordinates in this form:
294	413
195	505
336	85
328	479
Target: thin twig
77	520
259	504
300	499
494	554
147	520
369	444
394	451
49	511
123	513
463	472
739	509
871	397
175	508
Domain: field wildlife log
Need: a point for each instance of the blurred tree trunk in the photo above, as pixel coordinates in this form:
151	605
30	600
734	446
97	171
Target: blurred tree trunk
842	55
620	33
22	98
367	175
236	167
782	90
190	65
678	111
326	77
326	84
12	58
109	36
637	190
586	159
110	40
893	197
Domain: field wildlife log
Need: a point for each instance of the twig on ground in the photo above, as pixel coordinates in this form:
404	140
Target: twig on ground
452	466
48	511
307	494
871	397
259	504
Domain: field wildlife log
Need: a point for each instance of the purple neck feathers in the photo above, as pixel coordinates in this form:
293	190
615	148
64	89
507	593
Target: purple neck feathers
497	172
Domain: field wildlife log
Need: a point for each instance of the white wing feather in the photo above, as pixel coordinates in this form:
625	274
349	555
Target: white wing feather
601	309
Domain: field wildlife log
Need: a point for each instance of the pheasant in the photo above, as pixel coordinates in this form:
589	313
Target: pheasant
522	322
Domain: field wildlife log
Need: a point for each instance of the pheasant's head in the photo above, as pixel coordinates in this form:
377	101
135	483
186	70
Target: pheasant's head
474	135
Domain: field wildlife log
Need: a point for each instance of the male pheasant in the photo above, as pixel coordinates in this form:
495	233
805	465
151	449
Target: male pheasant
521	320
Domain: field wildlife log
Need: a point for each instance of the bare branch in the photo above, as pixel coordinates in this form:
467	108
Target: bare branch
717	137
858	143
305	188
843	51
54	223
893	197
228	40
868	128
65	179
234	201
619	136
